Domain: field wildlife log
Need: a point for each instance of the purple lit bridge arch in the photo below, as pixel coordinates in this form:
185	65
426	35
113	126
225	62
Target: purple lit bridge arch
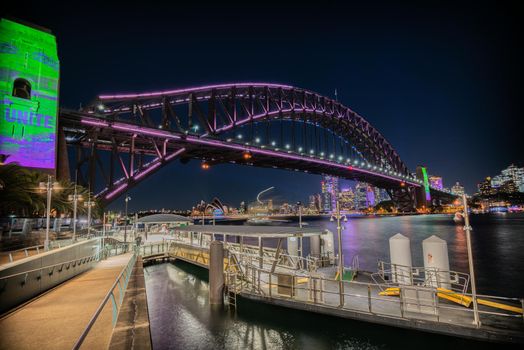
257	124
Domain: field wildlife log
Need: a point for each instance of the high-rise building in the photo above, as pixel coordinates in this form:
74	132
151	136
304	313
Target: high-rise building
330	190
361	200
315	202
436	182
381	195
457	189
347	199
511	173
508	187
485	188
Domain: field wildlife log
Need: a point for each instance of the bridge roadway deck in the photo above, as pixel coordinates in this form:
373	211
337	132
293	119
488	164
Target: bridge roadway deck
56	319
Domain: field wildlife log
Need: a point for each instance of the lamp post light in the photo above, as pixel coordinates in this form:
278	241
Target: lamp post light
299	205
127	199
48	187
467	228
337	216
89	204
75	197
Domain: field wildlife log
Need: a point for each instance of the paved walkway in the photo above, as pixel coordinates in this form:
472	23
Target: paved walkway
56	319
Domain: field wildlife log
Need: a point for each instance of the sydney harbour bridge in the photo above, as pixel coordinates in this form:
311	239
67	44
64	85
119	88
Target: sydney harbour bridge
121	139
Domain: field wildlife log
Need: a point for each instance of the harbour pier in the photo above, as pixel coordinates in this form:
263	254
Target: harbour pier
257	266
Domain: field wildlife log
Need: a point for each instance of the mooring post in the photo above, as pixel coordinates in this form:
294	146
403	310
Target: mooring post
216	272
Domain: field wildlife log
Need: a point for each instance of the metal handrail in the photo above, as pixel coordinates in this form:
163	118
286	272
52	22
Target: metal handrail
109	295
49	266
422	302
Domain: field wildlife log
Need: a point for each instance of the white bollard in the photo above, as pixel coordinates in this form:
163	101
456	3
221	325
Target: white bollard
400	253
292	246
328	246
436	262
314	246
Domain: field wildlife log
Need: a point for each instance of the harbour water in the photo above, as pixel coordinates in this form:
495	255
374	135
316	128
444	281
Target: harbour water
181	317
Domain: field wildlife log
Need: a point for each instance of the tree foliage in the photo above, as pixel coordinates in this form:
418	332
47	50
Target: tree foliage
20	194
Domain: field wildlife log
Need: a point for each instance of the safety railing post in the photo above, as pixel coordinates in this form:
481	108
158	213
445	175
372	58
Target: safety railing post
341	291
369	298
522	303
270	287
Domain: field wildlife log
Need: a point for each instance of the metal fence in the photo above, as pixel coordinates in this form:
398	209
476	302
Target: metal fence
116	295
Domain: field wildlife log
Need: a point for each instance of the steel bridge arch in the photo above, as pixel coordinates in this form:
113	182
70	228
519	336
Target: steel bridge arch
225	107
161	125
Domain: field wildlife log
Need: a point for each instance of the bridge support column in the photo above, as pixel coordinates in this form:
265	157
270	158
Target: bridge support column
216	272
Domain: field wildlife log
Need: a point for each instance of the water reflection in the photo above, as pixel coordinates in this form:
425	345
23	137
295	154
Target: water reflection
181	318
496	243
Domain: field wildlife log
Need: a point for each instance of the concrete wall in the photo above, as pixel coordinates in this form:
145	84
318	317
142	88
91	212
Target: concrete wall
22	287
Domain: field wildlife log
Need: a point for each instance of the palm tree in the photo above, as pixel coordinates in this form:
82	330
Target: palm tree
17	192
20	193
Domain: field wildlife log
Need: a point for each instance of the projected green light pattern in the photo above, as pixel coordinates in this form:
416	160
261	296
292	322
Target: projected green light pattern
28	125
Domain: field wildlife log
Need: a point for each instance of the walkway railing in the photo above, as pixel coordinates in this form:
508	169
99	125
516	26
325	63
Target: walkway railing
413	302
391	274
116	295
22	253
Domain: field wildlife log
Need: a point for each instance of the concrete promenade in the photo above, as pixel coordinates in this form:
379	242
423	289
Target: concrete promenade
56	319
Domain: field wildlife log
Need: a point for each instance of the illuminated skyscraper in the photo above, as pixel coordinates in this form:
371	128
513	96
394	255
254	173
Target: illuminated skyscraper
361	200
347	199
330	190
511	173
485	188
436	182
457	189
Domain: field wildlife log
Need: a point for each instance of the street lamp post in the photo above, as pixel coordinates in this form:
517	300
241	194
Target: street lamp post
338	217
125	222
74	198
89	204
48	187
467	228
299	204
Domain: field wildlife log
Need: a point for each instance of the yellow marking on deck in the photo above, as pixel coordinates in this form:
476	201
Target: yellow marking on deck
500	306
459	299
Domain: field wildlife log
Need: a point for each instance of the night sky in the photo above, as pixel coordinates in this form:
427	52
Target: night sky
442	83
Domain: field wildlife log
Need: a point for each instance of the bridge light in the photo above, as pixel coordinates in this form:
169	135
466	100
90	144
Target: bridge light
300	149
375	167
355	162
239	136
369	165
331	156
101	107
273	143
229	140
340	157
287	146
322	154
205	165
257	140
312	151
